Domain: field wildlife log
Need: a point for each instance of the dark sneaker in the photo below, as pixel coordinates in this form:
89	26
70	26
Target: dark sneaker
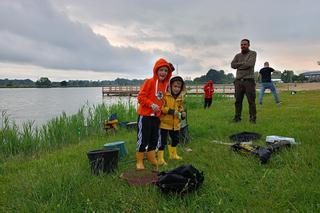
236	120
260	103
253	121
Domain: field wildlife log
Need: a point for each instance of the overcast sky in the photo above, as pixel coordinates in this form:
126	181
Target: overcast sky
106	39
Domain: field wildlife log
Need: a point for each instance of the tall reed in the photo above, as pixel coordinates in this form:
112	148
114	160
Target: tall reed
88	121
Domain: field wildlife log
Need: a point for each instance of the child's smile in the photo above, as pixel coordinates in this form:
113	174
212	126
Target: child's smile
176	87
162	73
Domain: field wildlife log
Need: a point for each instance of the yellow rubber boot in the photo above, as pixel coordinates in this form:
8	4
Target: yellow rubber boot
161	160
151	157
139	158
175	156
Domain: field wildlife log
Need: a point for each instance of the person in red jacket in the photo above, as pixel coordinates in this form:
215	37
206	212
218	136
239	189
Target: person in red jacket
208	93
151	99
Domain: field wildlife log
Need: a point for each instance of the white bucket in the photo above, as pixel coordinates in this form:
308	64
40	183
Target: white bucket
275	138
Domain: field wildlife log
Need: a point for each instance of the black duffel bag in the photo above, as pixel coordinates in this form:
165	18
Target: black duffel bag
185	178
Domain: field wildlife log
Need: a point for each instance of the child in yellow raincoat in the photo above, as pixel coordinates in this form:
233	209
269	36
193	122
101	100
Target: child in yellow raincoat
172	112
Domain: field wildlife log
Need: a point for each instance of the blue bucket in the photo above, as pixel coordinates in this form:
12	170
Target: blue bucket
123	152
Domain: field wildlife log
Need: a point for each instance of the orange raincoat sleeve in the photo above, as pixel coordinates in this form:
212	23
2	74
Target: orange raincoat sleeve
143	97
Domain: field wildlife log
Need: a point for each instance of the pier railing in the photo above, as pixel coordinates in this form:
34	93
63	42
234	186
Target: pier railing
191	89
226	89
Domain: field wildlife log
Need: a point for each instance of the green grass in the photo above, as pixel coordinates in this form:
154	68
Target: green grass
59	180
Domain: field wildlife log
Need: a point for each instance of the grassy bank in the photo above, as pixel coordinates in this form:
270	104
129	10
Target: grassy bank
59	180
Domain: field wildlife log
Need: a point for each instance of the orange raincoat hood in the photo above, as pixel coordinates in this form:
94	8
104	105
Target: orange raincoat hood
152	91
162	63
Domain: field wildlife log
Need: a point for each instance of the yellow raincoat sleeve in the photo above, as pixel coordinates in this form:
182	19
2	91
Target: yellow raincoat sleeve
165	108
180	107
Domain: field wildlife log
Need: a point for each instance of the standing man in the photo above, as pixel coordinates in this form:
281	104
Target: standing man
266	83
244	83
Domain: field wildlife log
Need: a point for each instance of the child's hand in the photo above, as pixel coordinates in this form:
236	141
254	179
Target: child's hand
155	107
179	115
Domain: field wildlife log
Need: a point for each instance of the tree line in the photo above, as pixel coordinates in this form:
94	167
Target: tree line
45	82
218	77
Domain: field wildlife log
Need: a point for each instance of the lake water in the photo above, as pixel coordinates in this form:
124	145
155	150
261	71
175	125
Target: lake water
42	104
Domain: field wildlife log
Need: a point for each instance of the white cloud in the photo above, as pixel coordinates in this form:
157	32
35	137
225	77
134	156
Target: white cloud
34	73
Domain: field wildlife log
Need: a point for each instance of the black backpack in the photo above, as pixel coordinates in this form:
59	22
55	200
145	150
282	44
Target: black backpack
182	179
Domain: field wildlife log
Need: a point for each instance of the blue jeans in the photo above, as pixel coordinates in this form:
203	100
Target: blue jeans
268	85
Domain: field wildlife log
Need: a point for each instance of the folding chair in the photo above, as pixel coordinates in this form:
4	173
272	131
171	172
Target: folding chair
184	137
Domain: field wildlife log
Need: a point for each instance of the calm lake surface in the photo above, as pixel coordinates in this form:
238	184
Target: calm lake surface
42	104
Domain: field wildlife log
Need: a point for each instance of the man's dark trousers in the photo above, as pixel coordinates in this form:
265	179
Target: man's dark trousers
245	87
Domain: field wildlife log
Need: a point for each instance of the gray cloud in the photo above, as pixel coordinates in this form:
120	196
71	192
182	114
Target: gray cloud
206	24
33	32
59	33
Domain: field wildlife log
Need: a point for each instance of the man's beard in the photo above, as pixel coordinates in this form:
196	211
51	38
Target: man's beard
244	51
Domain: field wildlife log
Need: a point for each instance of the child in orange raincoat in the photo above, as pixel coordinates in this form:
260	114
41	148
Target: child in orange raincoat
208	93
150	99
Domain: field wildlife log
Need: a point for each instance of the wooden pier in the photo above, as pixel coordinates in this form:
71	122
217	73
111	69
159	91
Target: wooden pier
227	89
120	90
